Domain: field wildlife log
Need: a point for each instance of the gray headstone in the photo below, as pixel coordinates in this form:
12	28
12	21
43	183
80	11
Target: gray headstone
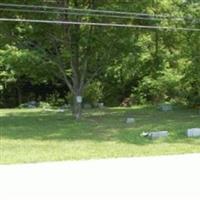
87	106
130	120
31	106
166	107
32	103
101	105
194	132
61	110
156	134
65	106
48	109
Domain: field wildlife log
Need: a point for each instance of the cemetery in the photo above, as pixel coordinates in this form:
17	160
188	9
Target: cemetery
91	79
38	134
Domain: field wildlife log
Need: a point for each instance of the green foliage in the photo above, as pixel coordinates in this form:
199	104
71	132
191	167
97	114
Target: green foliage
93	93
165	87
55	99
24	62
191	83
149	66
44	105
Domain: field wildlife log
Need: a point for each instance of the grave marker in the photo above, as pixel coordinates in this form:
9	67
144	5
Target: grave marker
87	106
130	120
156	134
194	132
101	105
166	107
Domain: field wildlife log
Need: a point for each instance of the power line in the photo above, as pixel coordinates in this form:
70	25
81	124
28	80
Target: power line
80	14
97	24
75	13
98	11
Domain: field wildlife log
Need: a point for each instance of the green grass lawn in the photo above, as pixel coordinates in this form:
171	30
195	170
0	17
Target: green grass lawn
35	135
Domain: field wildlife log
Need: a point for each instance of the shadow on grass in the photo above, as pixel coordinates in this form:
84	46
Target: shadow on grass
100	125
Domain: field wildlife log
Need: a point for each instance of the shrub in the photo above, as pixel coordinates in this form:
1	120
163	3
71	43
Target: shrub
165	87
93	93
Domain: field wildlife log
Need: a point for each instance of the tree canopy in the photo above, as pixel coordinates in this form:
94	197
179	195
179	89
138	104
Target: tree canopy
40	61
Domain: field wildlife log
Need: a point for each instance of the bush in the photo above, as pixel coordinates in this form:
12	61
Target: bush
191	85
164	88
44	105
93	93
56	100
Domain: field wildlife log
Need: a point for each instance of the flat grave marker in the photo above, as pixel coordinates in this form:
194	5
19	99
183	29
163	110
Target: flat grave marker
165	107
87	106
156	134
130	120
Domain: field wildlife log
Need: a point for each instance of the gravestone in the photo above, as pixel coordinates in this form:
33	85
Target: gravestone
156	134
61	110
87	106
65	106
194	132
30	104
166	107
130	120
47	109
101	105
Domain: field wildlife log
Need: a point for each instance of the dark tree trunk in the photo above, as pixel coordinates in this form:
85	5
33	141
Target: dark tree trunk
18	93
77	108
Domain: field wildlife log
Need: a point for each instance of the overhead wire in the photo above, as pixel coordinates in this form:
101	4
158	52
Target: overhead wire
167	16
75	13
97	24
82	14
94	13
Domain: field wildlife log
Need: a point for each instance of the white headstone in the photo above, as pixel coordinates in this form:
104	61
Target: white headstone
48	109
60	110
194	132
101	105
79	99
130	120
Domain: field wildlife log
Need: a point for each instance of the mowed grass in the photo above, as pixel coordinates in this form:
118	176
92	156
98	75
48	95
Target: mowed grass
36	135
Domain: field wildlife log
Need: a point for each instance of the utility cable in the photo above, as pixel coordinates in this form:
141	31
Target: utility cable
97	11
82	14
97	24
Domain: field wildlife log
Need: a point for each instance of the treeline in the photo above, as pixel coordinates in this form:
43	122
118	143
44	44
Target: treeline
118	66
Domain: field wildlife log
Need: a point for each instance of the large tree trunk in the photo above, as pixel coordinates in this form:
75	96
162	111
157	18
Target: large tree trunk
19	94
75	65
71	41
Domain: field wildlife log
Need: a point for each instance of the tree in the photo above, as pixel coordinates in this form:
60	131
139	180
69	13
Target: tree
124	60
